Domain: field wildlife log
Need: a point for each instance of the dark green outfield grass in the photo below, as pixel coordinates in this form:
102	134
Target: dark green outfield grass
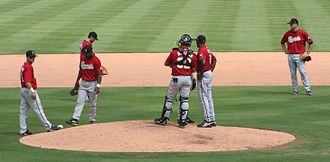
273	108
59	26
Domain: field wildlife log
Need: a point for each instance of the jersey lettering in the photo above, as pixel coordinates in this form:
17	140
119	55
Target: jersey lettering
86	66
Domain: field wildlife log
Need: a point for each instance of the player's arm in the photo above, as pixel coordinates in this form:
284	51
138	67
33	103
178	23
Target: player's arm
76	85
28	85
201	65
28	79
310	43
98	77
169	61
214	62
283	41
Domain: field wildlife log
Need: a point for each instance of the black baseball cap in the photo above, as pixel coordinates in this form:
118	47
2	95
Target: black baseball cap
293	21
201	39
93	34
87	50
31	54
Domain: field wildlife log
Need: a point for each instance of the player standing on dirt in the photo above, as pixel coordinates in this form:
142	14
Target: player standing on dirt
183	63
296	40
91	76
92	36
30	97
206	64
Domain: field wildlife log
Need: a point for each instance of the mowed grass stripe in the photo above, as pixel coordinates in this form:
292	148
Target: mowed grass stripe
151	25
184	22
74	28
314	16
30	26
251	27
112	29
9	5
218	24
279	13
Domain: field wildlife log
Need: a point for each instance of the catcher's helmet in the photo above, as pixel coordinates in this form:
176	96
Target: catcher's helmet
185	40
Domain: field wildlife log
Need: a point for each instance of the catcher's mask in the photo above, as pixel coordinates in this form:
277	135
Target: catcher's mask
185	40
88	51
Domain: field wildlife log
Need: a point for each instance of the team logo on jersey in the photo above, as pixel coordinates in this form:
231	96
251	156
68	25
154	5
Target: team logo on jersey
294	39
86	66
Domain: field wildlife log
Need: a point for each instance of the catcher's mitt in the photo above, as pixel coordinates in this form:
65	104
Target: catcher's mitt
305	58
104	70
193	84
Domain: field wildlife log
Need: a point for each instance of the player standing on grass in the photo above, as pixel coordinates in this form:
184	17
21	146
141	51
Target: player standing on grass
183	63
91	76
30	97
206	64
296	40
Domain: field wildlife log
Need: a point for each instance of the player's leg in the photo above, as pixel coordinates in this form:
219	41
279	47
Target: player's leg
201	98
293	72
185	83
168	102
304	77
203	92
24	111
38	109
78	108
210	98
93	103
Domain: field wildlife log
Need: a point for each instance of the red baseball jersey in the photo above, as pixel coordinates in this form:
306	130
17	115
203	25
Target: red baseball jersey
296	41
179	65
83	44
204	53
27	75
91	68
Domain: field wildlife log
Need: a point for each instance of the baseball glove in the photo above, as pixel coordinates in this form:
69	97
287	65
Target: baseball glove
73	92
104	70
305	58
193	84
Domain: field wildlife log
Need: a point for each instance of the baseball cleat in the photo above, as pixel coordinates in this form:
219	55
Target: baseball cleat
213	123
205	124
73	122
92	122
161	121
53	128
26	133
309	93
182	123
295	93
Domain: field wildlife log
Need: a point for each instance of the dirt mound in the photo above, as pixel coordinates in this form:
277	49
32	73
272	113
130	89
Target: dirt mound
145	136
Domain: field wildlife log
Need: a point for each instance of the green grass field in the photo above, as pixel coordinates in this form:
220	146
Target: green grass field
59	26
259	107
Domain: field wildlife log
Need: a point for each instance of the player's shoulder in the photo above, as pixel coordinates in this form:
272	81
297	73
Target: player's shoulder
27	66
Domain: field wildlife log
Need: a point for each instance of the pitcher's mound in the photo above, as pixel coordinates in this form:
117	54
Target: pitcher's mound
145	136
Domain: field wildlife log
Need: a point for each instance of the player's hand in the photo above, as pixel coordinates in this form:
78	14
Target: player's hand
34	95
97	90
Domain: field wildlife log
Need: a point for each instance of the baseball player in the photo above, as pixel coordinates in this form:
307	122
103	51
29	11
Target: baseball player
296	40
206	64
91	76
92	36
30	97
183	63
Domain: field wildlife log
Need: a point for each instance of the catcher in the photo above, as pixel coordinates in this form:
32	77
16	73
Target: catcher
183	63
296	40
